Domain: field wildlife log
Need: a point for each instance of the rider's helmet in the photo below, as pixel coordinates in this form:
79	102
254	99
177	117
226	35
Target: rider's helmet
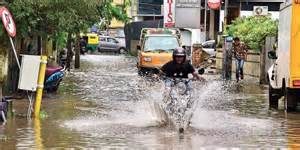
179	52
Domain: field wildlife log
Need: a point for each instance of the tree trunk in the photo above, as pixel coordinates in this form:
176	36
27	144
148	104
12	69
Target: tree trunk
39	45
77	52
69	52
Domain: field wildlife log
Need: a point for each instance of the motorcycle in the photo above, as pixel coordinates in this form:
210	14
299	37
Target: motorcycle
83	50
178	103
54	76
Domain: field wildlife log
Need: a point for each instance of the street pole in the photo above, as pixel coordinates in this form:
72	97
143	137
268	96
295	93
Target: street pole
15	52
39	92
205	20
225	14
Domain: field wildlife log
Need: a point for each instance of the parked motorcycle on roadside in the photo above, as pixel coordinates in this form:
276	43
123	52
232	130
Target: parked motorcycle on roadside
54	76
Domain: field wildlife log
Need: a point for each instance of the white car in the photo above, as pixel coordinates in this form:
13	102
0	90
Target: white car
210	47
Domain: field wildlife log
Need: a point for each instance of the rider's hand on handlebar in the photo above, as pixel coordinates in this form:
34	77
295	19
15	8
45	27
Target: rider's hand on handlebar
155	76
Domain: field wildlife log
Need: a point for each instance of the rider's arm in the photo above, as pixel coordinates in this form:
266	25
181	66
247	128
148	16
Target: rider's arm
195	74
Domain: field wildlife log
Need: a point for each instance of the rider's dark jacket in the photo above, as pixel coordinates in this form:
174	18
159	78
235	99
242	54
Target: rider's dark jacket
174	70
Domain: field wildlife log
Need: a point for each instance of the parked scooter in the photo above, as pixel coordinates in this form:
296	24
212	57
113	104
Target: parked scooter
54	76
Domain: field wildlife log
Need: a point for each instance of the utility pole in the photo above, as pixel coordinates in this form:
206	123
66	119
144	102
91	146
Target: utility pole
225	14
200	25
205	20
227	48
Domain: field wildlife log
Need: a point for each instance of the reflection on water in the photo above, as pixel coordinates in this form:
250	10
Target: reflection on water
106	105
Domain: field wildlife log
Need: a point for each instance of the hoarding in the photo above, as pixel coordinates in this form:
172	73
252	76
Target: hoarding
187	14
169	13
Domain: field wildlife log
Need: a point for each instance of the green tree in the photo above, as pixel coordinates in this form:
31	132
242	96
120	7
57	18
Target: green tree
54	18
108	11
253	30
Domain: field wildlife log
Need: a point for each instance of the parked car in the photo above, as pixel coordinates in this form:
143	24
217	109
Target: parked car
210	47
110	44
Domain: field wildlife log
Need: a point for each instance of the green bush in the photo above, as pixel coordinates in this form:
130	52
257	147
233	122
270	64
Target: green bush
253	30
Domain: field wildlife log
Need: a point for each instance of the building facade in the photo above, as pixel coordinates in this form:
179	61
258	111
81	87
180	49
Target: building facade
144	10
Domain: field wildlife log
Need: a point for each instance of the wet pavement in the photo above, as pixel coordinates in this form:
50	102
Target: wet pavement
106	105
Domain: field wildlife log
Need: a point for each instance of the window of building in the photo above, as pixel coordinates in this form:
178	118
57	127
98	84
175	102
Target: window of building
150	7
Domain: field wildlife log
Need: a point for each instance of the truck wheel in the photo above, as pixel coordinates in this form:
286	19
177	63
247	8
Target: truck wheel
274	96
291	100
141	72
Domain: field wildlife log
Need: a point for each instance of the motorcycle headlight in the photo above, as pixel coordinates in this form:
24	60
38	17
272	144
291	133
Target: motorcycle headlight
147	59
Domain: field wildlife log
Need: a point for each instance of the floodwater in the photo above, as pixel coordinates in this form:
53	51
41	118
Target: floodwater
106	105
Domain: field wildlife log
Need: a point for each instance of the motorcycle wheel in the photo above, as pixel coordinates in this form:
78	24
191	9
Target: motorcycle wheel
54	88
181	130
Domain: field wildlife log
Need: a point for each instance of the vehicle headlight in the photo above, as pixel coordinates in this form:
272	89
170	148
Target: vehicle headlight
147	59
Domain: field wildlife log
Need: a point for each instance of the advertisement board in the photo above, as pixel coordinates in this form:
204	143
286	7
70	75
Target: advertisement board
169	13
187	14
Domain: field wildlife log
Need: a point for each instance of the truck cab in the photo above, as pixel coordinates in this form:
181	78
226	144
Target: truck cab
284	74
155	48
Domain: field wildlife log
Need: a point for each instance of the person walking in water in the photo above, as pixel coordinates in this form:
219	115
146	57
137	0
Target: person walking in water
240	54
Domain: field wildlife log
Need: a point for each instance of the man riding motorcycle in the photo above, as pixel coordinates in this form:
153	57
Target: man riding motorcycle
179	67
174	72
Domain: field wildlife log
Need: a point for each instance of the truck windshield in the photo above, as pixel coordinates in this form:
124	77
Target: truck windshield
159	43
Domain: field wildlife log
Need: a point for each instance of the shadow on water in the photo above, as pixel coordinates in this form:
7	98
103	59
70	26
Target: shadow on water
107	105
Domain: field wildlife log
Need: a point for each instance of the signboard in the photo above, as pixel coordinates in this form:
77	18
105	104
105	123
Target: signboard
260	10
214	4
8	21
169	13
187	14
188	3
29	72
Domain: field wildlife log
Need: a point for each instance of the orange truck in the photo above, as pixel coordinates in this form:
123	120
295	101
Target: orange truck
155	48
284	74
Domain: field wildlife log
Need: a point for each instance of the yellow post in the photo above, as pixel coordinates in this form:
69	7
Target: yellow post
37	134
39	92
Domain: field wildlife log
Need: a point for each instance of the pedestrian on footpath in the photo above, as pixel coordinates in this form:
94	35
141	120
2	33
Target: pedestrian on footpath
240	54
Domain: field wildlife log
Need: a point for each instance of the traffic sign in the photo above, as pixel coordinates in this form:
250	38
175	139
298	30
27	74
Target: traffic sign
8	22
214	4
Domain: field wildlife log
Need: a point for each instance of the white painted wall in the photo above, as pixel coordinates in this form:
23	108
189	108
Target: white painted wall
186	37
197	36
273	14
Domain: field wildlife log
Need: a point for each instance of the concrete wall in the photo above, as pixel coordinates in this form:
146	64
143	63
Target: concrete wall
251	67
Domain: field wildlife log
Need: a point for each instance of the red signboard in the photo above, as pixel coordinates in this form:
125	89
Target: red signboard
214	4
8	21
169	16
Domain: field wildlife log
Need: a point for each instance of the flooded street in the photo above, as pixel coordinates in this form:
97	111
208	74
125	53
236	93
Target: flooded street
107	105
